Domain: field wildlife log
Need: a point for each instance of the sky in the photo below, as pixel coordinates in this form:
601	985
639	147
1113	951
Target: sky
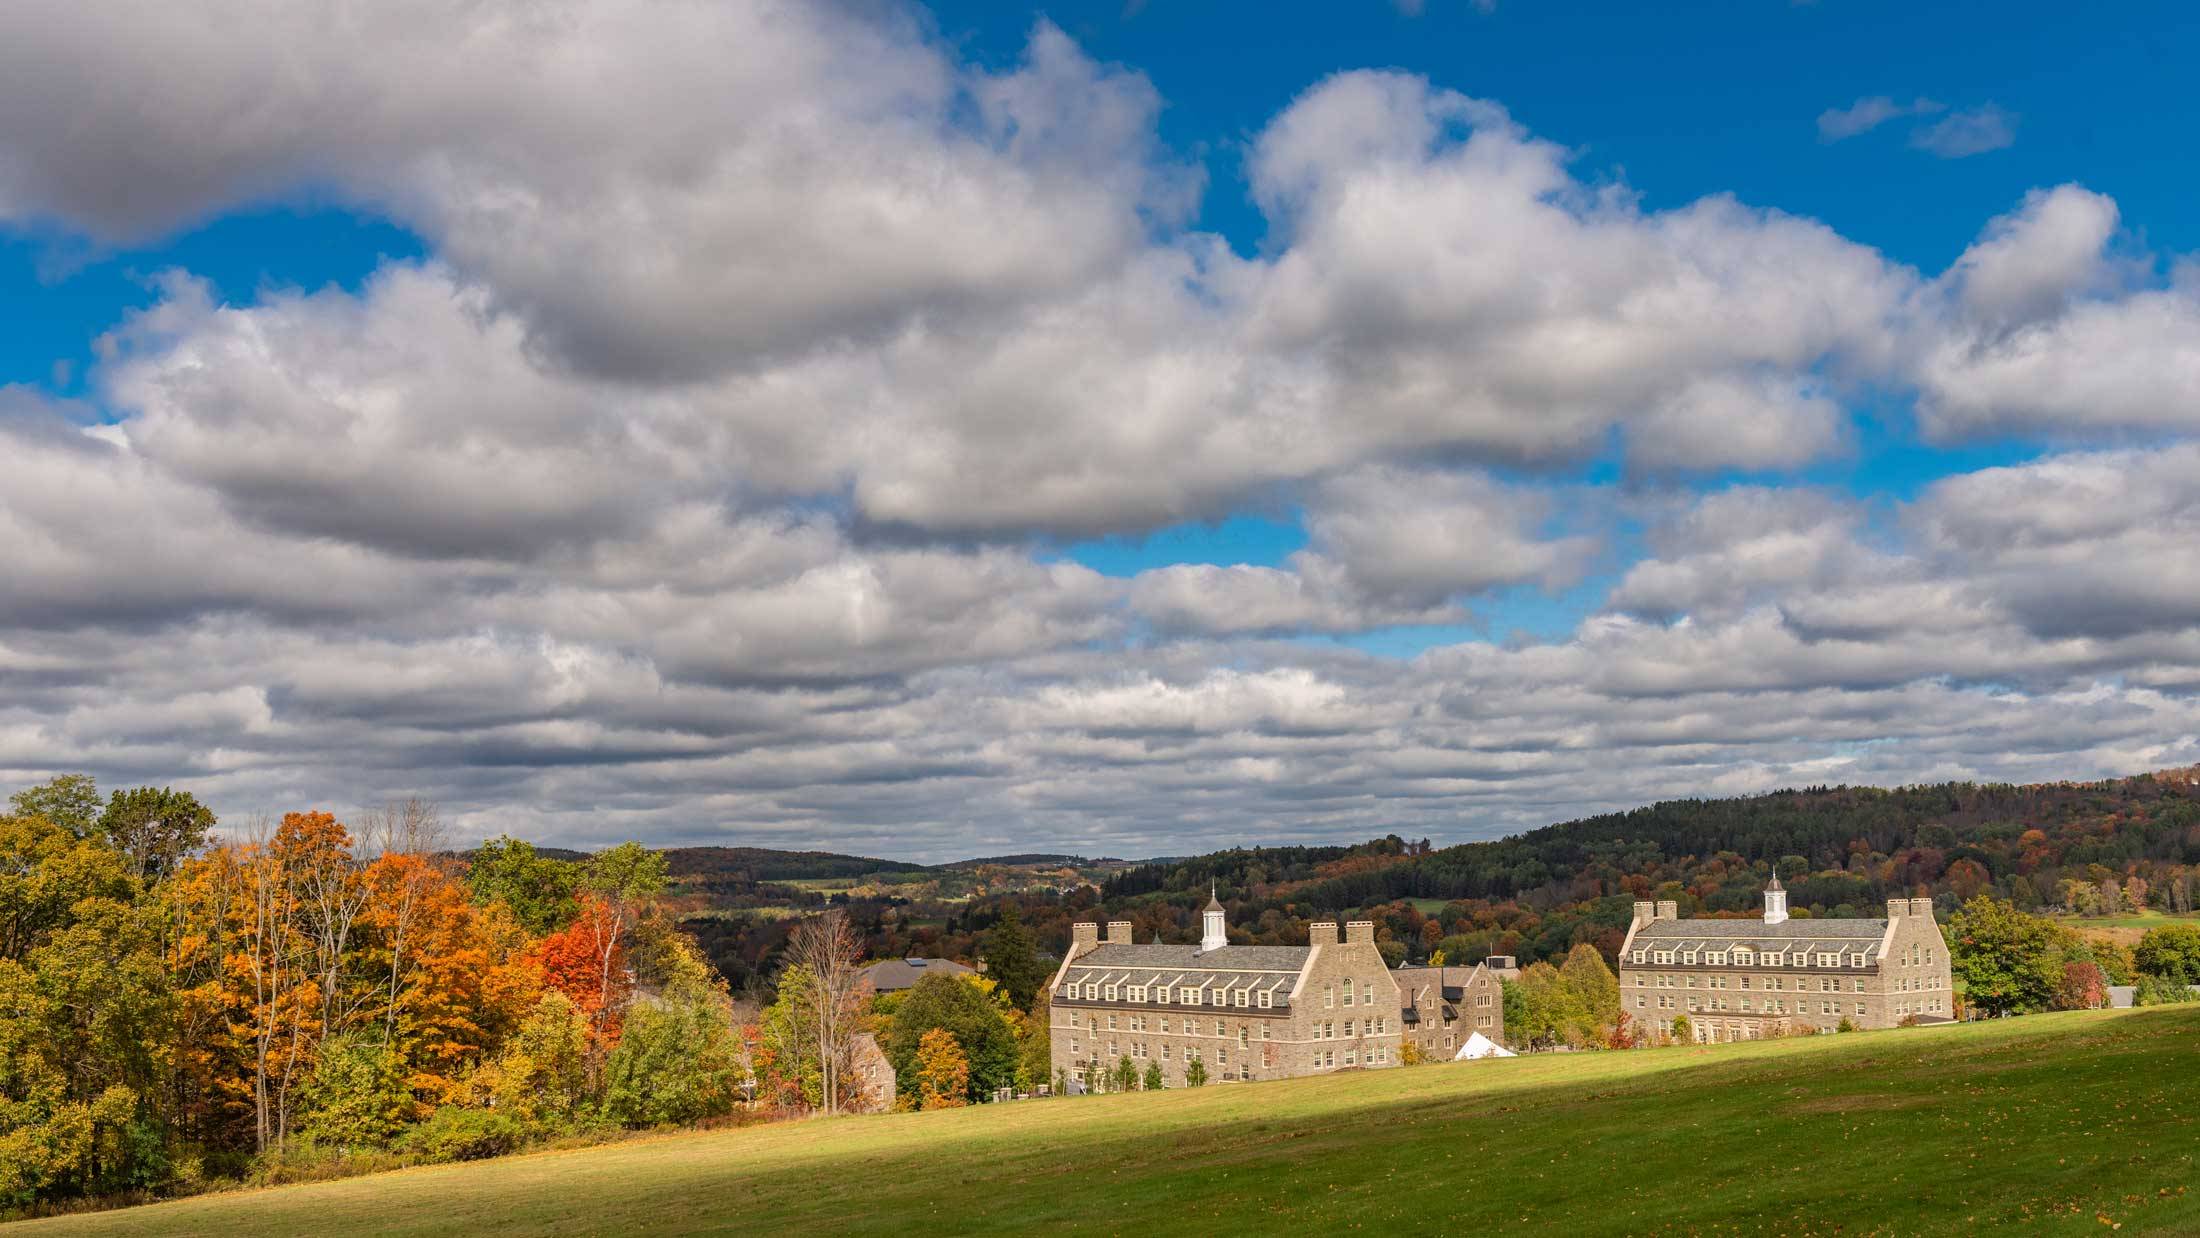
1113	428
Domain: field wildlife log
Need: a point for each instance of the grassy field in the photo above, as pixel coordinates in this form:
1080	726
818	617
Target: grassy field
2127	929
2068	1123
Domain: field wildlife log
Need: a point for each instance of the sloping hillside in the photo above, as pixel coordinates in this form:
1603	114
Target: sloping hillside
2057	1123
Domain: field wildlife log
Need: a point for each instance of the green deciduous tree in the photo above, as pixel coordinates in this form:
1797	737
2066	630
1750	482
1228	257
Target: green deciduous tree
70	801
541	1074
2008	961
2171	952
1195	1074
358	1095
538	889
677	1060
155	828
966	1010
1153	1076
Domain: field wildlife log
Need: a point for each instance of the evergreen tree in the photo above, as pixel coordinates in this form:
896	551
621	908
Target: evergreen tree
1010	960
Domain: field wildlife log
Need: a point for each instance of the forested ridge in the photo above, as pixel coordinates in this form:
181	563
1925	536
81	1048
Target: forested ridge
1841	851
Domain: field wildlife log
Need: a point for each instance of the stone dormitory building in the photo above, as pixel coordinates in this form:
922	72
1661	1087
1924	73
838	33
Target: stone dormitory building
1440	1007
1743	979
1244	1012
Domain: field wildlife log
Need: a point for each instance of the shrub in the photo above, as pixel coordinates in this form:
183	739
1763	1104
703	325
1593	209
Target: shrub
2158	991
457	1134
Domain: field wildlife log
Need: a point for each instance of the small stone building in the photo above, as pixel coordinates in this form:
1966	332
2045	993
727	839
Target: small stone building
1743	979
1439	1007
1244	1012
870	1074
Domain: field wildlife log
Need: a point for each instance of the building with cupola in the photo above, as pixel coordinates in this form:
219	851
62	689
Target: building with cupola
1742	979
1243	1012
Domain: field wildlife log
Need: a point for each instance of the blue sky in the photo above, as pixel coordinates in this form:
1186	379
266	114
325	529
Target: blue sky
833	422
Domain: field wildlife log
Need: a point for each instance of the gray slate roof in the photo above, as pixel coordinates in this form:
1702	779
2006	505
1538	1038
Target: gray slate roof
894	975
1189	957
1749	930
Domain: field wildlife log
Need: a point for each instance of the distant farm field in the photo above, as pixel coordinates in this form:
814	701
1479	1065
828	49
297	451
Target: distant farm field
2127	929
2068	1123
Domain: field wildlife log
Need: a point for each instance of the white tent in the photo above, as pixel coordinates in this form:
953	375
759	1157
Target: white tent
1479	1046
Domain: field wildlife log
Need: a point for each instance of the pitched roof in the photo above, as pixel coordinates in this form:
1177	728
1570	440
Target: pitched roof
897	974
1192	958
1743	930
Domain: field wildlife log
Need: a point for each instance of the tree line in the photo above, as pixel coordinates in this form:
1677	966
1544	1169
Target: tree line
307	994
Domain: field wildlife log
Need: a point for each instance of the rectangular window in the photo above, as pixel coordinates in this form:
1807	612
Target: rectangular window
1265	999
1240	998
1640	955
1110	992
1350	1057
1348	1029
1218	1027
1329	997
1264	1030
1111	1022
1367	993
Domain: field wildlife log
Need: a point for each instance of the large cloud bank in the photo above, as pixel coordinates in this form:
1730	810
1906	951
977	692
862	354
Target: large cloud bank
703	482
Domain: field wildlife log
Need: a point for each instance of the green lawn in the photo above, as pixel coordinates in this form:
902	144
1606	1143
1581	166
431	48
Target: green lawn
2136	920
2064	1123
1429	906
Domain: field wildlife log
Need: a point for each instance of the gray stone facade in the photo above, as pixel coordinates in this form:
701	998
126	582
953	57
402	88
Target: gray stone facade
1441	1006
1245	1012
1744	979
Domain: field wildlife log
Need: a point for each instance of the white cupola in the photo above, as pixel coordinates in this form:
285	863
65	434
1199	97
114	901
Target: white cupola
1212	935
1776	902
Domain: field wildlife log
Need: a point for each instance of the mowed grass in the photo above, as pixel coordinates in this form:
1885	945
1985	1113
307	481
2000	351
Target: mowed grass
2067	1123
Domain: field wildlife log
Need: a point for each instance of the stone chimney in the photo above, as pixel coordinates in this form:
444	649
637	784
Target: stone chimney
1922	908
1083	937
1668	909
1322	934
1360	933
1897	908
1645	912
1119	932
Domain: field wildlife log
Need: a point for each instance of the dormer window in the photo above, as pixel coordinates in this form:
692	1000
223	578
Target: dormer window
1191	997
1265	999
1110	992
1856	960
1718	958
1774	958
1640	955
1689	958
1665	956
